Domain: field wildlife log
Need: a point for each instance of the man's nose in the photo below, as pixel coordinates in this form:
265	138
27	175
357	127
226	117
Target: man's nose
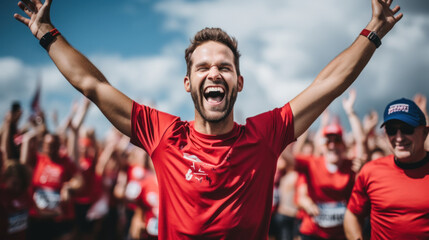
398	134
214	73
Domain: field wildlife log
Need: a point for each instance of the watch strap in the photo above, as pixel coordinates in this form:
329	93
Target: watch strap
372	36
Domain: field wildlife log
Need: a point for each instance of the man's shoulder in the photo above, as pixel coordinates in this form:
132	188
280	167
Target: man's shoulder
377	164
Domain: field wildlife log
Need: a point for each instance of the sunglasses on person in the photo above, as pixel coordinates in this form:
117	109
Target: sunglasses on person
405	129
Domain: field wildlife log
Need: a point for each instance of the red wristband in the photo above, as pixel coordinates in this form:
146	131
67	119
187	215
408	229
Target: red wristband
372	36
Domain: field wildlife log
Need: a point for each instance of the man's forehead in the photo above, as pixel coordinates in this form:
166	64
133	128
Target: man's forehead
212	51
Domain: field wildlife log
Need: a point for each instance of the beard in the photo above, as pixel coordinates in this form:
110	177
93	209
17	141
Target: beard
198	99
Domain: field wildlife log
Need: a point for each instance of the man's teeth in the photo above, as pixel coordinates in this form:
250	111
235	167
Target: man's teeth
214	89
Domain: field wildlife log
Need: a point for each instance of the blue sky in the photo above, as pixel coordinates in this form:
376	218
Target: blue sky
139	46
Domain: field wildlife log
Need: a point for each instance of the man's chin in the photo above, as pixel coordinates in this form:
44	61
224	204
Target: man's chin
214	117
402	154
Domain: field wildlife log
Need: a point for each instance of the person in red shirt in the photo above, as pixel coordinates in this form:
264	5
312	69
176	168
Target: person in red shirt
215	176
55	178
143	193
14	202
392	190
329	180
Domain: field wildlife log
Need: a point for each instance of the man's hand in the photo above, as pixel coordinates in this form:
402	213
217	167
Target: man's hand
370	121
349	102
383	17
39	21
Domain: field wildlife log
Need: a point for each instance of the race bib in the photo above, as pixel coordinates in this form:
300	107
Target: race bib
276	196
47	199
17	222
152	226
331	214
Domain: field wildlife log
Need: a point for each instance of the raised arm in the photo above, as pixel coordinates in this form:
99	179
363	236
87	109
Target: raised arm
341	72
357	130
75	124
76	68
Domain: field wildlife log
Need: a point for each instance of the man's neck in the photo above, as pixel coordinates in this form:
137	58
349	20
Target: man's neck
214	128
419	161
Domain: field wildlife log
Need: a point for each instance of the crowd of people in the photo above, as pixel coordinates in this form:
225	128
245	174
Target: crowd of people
158	176
65	183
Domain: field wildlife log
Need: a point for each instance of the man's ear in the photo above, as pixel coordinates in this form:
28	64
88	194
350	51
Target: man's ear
240	83
187	84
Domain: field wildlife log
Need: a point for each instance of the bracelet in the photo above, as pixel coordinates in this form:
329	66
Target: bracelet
48	38
372	36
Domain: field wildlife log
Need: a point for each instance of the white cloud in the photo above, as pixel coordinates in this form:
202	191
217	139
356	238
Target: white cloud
284	45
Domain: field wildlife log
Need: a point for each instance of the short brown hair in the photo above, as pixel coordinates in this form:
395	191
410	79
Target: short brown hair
212	34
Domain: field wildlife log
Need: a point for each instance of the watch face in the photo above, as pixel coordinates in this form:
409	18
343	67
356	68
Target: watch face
48	38
374	38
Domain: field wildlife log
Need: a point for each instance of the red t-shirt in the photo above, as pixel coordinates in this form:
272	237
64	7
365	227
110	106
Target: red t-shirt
396	198
146	195
330	191
213	187
13	214
135	173
300	181
91	190
48	179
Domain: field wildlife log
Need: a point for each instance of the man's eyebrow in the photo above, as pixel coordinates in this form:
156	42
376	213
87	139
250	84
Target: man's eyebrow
204	63
201	64
226	64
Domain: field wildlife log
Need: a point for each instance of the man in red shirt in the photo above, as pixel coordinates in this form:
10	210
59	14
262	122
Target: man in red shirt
393	189
329	180
14	202
54	179
215	176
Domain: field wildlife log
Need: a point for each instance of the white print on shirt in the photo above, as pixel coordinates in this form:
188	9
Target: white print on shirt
152	199
195	171
331	214
50	174
133	190
152	226
47	198
17	222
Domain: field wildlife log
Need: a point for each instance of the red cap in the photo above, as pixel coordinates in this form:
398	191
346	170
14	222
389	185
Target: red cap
334	129
85	142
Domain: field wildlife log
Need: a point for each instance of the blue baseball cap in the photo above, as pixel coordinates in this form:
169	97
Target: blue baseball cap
406	111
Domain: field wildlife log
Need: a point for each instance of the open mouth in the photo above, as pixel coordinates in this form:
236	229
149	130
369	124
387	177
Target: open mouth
214	95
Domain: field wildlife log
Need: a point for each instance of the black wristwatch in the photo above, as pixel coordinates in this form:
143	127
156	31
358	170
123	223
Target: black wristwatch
48	38
372	36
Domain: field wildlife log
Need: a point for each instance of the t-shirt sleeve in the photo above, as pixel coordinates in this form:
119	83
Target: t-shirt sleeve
359	203
148	126
275	126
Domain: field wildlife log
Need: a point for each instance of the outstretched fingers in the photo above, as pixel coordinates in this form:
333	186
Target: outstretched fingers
30	5
38	3
389	2
22	19
396	10
24	8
